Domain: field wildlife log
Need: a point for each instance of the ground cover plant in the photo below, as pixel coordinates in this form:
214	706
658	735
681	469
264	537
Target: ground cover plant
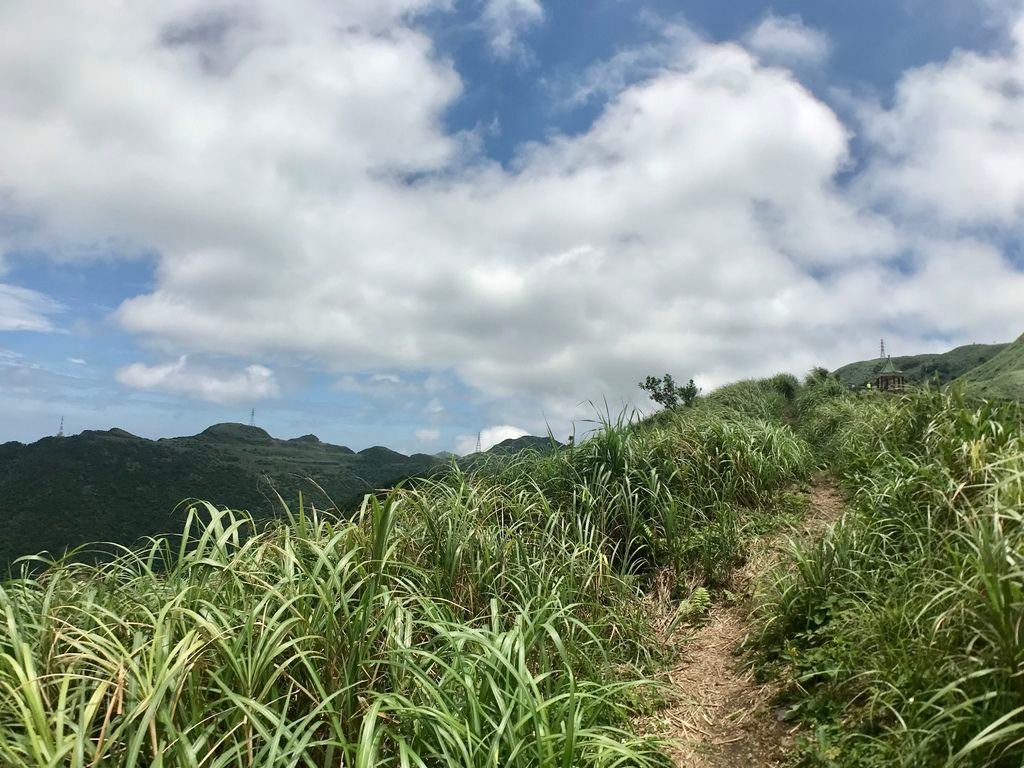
901	631
490	616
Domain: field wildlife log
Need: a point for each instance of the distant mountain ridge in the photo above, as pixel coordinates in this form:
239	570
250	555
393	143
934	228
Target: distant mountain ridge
525	443
1001	377
919	369
112	486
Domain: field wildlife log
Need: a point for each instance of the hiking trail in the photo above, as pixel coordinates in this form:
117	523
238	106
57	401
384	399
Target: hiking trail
723	718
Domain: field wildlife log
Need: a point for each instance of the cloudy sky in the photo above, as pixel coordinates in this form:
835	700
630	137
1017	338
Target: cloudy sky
408	221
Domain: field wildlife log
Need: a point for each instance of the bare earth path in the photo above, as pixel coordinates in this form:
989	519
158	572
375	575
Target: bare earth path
724	718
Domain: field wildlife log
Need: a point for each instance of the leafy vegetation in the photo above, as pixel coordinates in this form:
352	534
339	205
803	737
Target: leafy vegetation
501	612
923	369
900	630
666	393
487	616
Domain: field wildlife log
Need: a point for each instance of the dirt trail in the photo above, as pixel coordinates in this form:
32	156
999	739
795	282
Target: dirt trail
724	718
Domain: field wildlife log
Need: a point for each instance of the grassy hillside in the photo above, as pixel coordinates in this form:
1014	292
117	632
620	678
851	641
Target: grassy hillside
493	617
115	487
517	612
923	368
898	634
1001	377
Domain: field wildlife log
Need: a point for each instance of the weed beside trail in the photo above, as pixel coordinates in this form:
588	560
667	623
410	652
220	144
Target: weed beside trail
489	617
902	629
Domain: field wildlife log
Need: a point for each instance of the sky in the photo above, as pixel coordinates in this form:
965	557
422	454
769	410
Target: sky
408	222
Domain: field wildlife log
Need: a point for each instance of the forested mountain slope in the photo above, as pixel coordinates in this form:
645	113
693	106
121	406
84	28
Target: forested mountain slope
113	486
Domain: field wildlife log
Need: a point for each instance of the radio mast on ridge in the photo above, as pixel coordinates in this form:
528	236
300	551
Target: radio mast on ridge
252	417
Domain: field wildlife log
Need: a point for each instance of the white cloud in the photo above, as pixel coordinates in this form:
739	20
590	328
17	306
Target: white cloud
434	407
291	168
8	357
673	43
951	148
428	435
786	40
489	438
506	20
22	309
255	382
384	386
76	361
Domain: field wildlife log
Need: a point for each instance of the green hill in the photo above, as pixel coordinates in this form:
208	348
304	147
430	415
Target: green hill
1001	377
919	369
524	443
59	493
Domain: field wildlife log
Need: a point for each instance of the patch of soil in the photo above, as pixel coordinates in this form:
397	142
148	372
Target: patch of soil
722	717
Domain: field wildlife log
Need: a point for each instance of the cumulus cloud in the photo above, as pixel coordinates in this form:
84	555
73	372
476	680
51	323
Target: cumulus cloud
22	309
950	149
506	20
290	167
255	382
788	41
489	438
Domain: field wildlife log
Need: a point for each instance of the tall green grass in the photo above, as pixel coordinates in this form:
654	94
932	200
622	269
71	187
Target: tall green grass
486	617
902	629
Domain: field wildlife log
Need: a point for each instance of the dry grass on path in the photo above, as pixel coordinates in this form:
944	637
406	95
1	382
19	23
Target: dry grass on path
723	718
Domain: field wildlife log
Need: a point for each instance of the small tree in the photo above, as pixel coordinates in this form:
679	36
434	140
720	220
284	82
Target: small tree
665	392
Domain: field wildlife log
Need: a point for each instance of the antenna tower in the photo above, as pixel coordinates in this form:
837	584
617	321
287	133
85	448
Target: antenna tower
252	417
60	432
479	448
882	352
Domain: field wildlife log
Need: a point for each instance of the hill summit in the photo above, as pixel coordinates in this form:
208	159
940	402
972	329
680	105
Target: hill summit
229	431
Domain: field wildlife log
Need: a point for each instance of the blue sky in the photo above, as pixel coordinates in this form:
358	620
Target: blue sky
407	222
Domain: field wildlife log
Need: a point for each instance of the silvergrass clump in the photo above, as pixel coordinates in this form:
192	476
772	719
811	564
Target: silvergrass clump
482	617
903	625
309	644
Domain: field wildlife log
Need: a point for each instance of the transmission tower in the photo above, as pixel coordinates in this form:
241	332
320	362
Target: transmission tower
479	448
881	353
60	432
252	417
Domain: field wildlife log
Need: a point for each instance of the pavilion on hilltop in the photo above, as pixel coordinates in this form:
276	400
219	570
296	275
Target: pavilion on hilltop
889	379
